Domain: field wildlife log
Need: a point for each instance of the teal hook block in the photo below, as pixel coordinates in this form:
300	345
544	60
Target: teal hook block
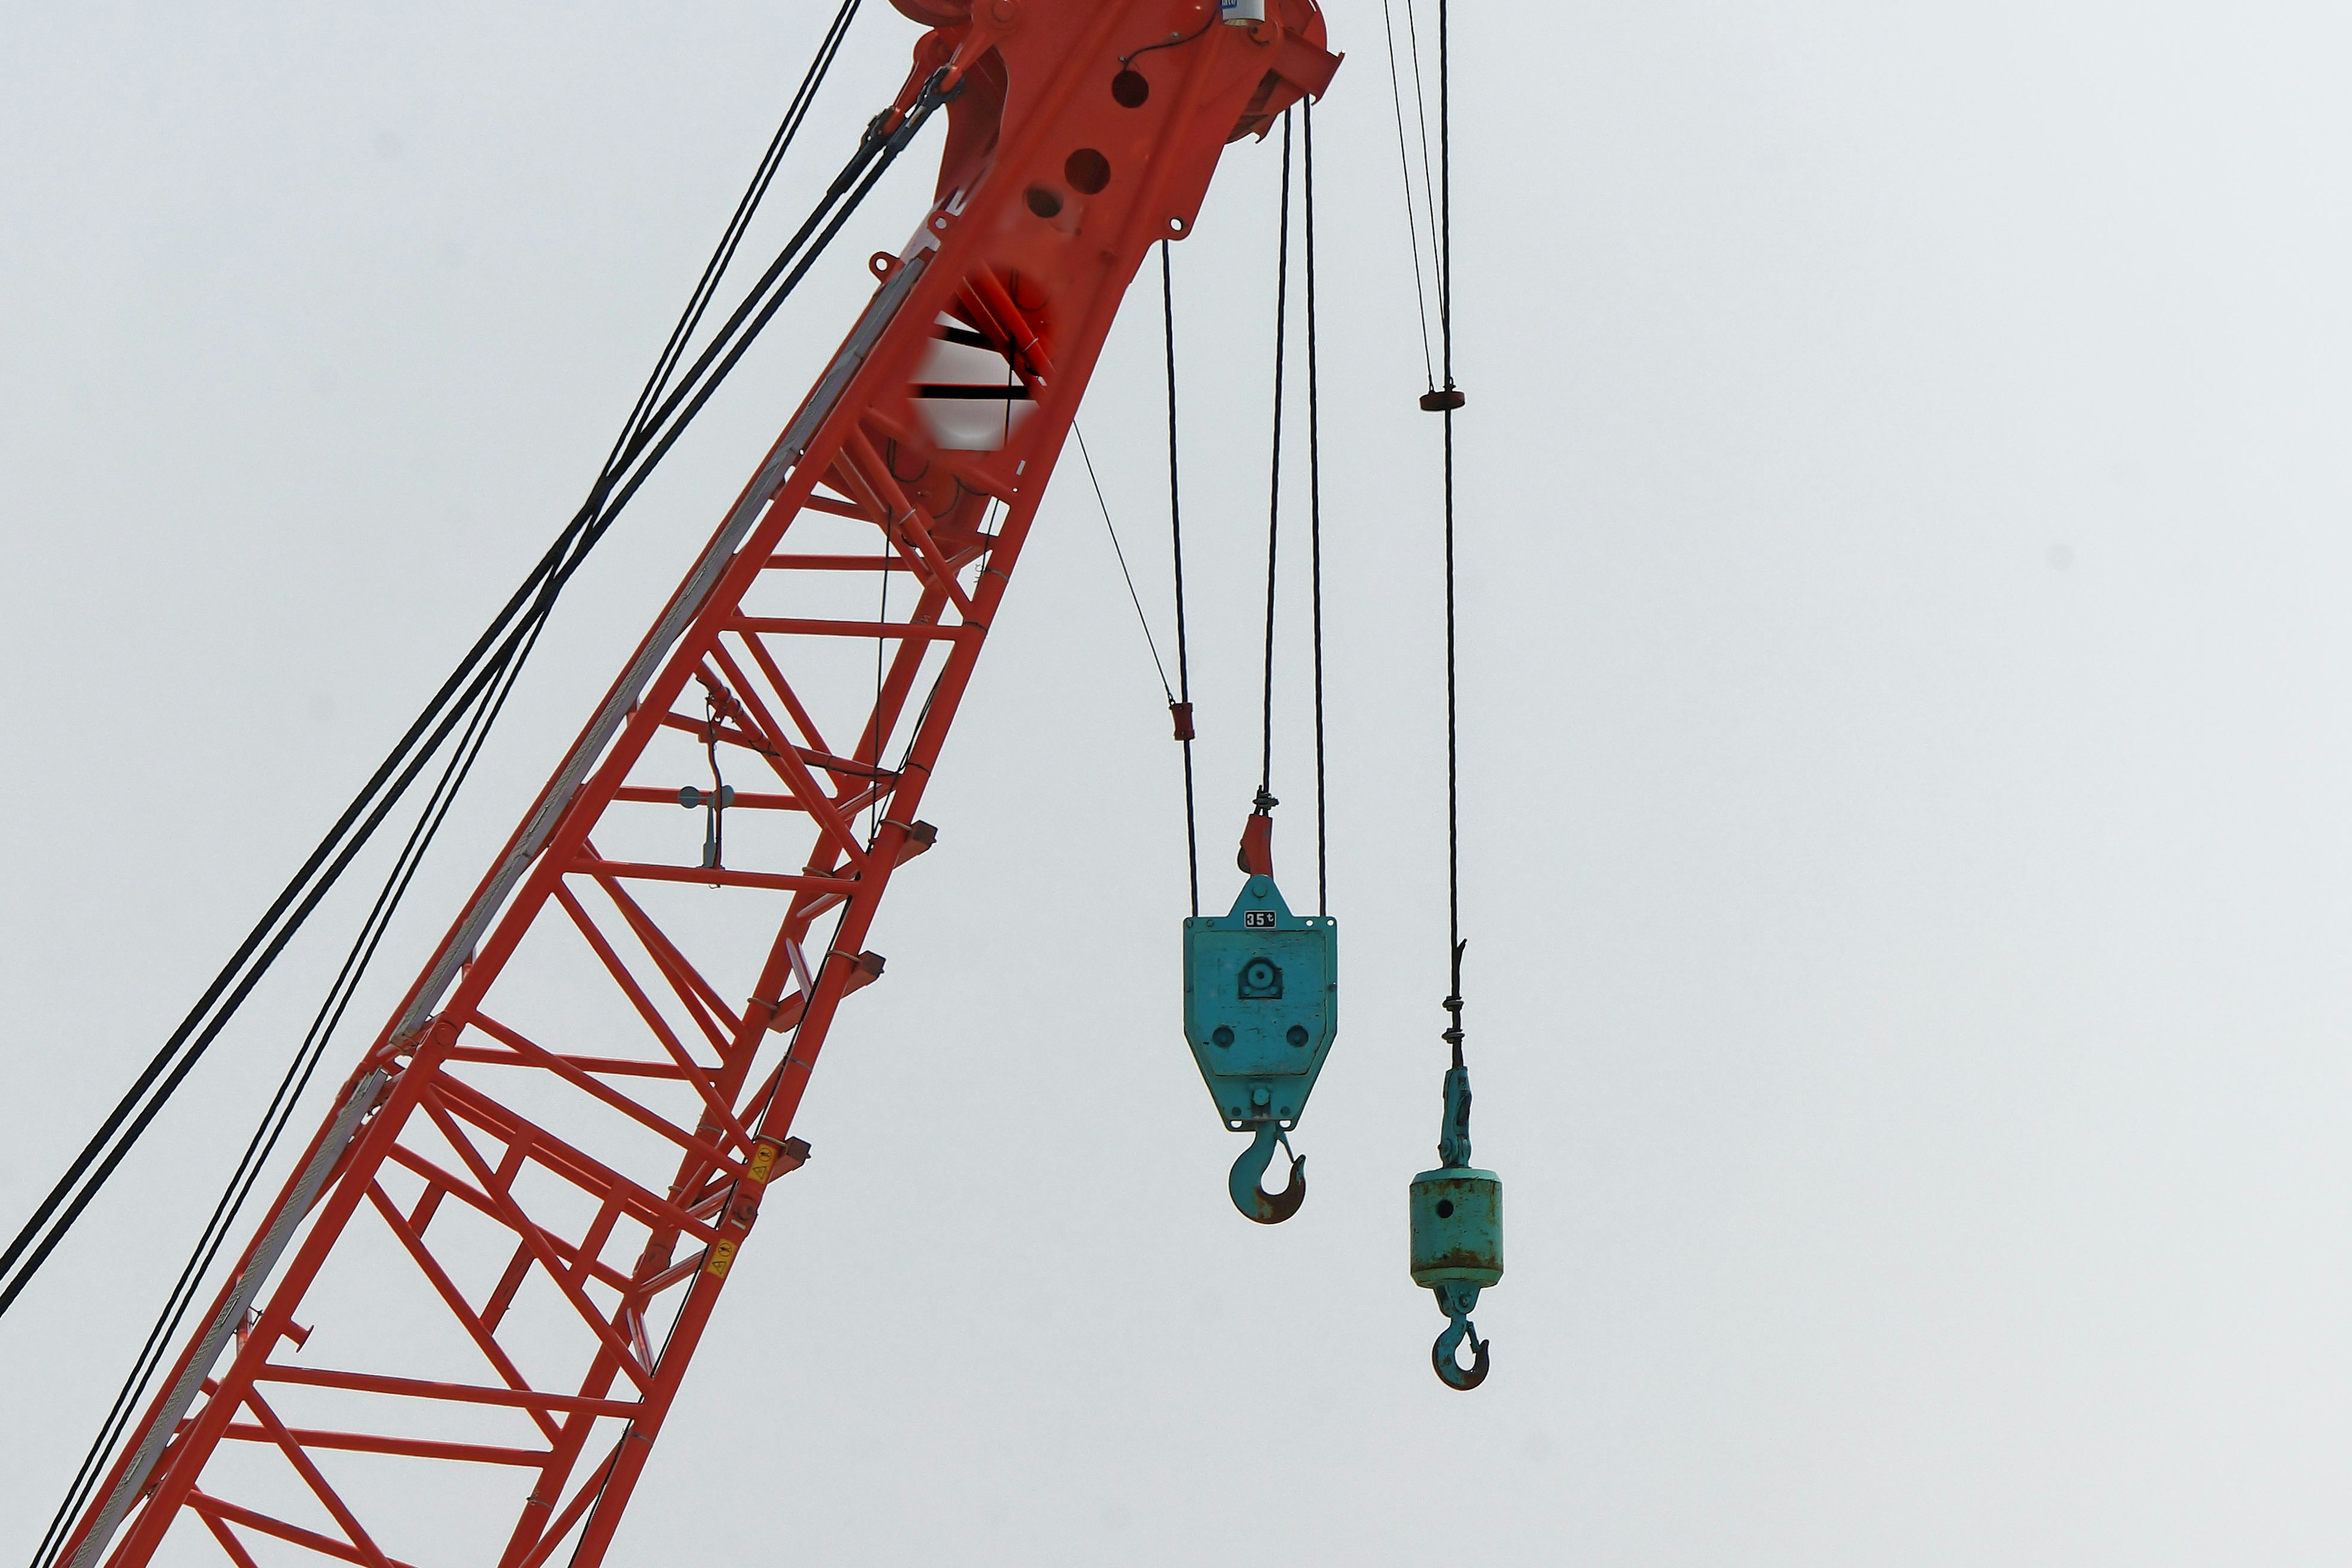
1260	1005
1456	1214
1457	1251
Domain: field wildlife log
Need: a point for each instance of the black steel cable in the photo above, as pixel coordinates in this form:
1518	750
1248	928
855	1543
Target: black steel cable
279	1114
1315	516
873	159
485	696
738	223
1170	41
99	1158
55	1214
391	770
256	1152
1412	217
1444	216
1273	482
1176	539
1420	117
1454	943
1109	527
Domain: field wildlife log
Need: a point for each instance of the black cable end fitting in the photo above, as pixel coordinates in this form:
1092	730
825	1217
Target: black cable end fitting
1441	399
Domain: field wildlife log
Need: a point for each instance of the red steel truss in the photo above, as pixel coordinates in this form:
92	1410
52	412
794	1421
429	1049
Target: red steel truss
508	1236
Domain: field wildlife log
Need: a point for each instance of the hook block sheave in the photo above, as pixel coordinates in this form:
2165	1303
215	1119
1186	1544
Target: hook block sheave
1260	1005
499	1254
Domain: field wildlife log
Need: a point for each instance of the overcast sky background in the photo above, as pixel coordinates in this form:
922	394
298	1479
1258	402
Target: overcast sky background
1906	823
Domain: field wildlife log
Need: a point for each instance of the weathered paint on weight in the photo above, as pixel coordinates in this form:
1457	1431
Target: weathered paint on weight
1457	1226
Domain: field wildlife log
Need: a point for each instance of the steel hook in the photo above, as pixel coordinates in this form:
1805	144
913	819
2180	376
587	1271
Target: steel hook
1442	1356
1266	1208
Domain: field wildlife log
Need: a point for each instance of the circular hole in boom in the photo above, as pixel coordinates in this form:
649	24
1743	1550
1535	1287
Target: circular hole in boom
1129	87
1087	170
1042	202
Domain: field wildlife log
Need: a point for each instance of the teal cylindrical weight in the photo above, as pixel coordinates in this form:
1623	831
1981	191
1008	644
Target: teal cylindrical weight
1457	1226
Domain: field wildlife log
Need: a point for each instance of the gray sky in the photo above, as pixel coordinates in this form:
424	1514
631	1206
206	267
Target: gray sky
1906	852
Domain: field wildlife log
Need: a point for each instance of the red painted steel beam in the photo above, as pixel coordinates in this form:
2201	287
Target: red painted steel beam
610	1141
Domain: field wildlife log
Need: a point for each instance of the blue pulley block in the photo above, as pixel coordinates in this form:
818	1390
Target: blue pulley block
1261	1006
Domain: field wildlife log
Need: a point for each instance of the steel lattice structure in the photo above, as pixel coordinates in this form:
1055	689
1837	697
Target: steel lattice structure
513	1228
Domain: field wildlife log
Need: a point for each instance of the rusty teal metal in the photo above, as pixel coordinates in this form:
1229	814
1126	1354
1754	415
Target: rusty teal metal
1456	1217
1457	1226
1261	1009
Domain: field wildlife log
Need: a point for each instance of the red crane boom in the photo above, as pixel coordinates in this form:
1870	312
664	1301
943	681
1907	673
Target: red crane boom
504	1245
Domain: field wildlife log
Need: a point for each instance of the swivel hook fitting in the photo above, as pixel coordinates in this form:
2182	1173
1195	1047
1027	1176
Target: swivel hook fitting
1266	1208
1444	1356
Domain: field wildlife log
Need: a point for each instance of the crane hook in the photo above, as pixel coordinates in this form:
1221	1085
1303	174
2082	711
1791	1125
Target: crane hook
1266	1208
1442	1355
1456	1300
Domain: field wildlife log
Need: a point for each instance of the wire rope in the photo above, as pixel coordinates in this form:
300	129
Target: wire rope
638	456
279	1114
1454	943
1421	118
1109	527
1274	483
1184	706
1411	214
1315	516
484	698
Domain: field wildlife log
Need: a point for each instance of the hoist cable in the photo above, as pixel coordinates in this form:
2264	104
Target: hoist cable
1445	224
500	678
484	696
1445	340
639	454
1273	482
1421	118
277	1115
1176	542
1140	618
1315	517
131	1116
1411	214
739	224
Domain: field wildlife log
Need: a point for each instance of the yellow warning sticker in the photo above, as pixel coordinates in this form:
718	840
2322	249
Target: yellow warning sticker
763	1160
721	1255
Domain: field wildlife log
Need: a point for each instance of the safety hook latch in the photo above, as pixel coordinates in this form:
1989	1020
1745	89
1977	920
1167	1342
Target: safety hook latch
1446	1356
1267	1208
